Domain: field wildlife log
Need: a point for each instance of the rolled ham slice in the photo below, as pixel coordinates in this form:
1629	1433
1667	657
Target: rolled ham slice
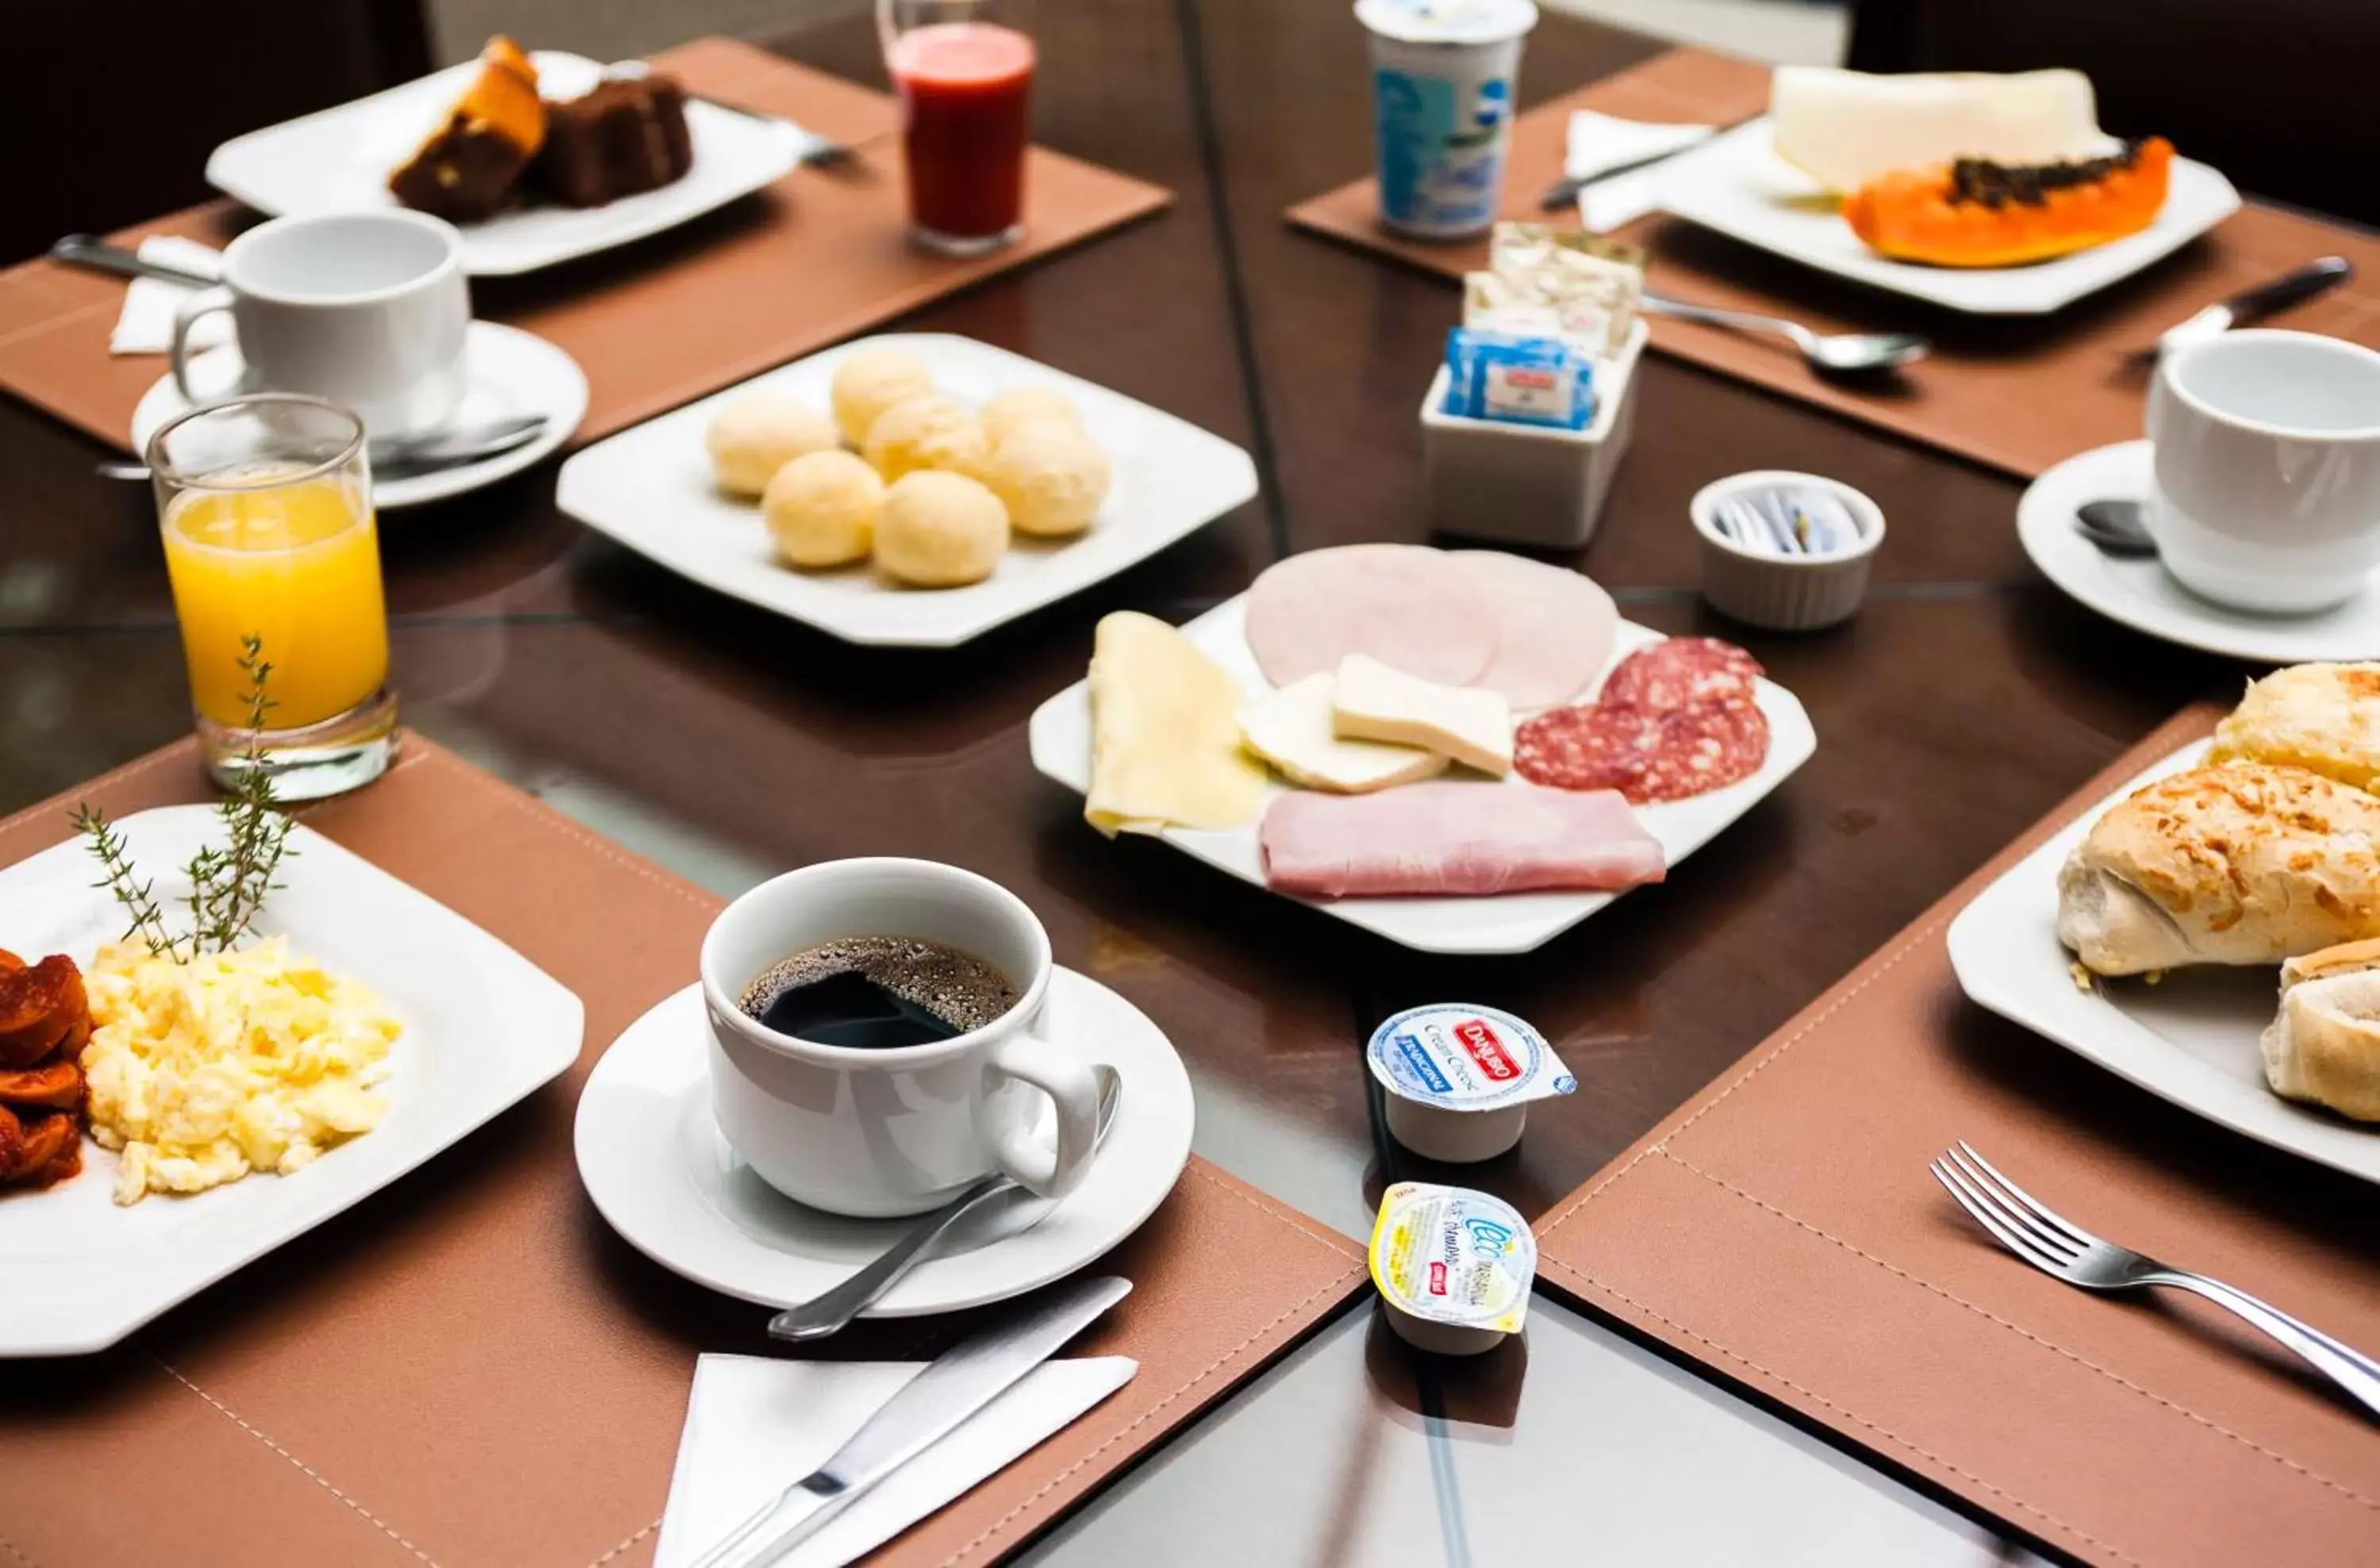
1455	839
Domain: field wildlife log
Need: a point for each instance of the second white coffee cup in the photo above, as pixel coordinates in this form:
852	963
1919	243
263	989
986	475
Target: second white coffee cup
897	1130
2268	489
369	309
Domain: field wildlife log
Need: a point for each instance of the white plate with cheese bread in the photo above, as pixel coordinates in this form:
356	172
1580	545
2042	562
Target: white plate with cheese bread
1355	732
1005	487
2212	932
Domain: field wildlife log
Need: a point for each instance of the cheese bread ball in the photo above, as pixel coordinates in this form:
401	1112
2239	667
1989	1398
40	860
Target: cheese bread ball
821	509
939	529
872	380
1020	405
932	431
754	436
1050	476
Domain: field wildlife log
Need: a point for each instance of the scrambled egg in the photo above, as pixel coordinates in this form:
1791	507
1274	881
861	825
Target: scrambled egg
255	1060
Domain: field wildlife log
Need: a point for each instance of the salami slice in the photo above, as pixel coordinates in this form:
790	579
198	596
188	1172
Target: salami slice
1681	671
1647	754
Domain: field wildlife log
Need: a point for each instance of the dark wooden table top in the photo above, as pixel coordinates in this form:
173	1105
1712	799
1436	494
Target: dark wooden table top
1964	701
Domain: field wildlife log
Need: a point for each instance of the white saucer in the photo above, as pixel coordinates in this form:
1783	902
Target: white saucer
510	372
654	1162
2143	595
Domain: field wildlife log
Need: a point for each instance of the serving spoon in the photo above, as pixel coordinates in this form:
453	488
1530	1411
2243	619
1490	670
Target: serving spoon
832	1312
1841	353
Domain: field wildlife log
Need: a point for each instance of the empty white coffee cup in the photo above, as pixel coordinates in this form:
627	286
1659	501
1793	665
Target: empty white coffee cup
899	1130
2268	487
366	309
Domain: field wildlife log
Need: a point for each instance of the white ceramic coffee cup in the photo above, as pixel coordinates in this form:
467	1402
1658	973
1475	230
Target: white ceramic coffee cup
366	309
897	1130
2268	489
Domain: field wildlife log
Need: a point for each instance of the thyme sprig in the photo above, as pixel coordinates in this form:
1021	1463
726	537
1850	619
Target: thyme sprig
228	886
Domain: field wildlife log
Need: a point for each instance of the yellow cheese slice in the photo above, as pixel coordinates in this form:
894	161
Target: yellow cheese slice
1291	729
1165	734
1470	724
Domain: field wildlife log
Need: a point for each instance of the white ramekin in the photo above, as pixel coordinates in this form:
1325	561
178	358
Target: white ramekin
1784	592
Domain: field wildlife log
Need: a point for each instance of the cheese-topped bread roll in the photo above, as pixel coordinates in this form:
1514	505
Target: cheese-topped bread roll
933	431
2324	1046
821	509
939	530
751	438
2240	864
2325	717
871	381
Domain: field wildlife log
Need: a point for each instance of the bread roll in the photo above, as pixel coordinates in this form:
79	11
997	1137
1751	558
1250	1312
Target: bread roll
821	509
1051	478
2241	863
927	432
939	530
1006	413
2325	717
871	381
2325	1047
757	434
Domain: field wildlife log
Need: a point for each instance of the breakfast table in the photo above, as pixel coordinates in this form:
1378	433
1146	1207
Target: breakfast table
1966	699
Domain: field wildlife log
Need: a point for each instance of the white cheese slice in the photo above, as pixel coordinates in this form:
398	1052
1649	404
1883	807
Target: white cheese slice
1291	729
1471	724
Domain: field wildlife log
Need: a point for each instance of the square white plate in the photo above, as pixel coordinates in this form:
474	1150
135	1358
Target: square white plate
1738	185
483	1027
338	160
2192	1038
1511	922
651	488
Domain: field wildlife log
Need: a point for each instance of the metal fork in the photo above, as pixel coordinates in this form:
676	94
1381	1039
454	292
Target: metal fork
2064	1250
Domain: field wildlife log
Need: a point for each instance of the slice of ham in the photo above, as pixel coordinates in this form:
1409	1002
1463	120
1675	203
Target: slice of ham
1406	605
1454	839
1554	627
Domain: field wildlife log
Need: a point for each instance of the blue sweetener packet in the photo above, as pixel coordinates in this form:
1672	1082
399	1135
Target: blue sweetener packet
1518	380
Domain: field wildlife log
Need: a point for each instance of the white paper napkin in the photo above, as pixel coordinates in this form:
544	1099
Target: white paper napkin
755	1423
146	323
1605	141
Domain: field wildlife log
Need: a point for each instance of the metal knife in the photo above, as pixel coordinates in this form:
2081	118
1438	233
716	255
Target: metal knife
962	1380
2291	287
1564	191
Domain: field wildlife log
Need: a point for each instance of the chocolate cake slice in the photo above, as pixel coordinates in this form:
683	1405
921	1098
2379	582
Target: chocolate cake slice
466	167
626	136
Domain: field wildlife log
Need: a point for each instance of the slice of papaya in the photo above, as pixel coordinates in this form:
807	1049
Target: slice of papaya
1976	214
40	1006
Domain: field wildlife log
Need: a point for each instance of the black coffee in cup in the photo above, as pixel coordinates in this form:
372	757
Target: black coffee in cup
878	993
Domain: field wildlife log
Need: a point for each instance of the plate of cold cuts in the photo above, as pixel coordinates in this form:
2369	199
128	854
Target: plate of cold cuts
1464	751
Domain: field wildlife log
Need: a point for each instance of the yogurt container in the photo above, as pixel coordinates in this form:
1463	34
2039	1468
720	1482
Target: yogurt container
1454	1267
1459	1078
1442	86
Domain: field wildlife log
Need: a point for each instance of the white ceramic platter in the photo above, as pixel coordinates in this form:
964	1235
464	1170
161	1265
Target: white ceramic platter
654	1161
509	371
2143	595
1738	185
651	489
338	159
1514	922
483	1028
2191	1038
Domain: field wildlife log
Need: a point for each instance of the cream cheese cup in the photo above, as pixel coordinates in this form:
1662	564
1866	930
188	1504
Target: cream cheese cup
1460	1078
1454	1267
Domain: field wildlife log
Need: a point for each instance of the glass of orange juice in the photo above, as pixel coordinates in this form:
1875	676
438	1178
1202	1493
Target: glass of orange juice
274	553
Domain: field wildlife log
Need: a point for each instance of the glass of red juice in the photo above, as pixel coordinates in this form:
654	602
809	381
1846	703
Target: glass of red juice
964	72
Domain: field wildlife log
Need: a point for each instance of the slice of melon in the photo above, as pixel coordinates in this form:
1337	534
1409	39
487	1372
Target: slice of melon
1974	213
1846	127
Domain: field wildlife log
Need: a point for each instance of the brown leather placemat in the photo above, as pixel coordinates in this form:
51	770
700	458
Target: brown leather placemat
812	259
1781	1227
470	1367
2016	392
